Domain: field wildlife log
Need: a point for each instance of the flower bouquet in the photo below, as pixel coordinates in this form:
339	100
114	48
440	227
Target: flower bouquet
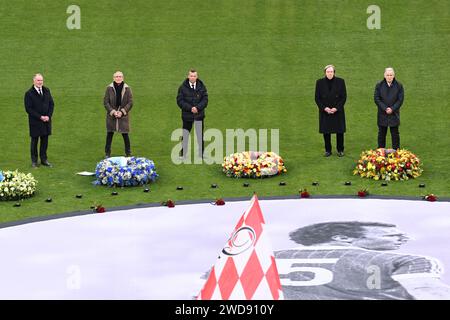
250	164
169	203
304	193
430	197
99	208
15	185
388	164
219	202
363	193
125	172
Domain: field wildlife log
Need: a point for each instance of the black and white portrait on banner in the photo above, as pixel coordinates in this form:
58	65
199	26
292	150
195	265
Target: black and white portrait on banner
356	260
324	249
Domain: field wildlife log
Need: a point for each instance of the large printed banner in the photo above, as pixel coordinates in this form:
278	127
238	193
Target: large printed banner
324	249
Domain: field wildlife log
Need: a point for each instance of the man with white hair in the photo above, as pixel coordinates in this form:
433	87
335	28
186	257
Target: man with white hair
118	102
388	97
330	98
39	106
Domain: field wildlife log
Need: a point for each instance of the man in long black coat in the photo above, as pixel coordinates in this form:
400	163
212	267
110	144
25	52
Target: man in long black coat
39	106
192	99
388	97
331	95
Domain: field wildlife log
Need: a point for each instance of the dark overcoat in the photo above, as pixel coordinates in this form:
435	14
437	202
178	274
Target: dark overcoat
333	96
385	96
37	106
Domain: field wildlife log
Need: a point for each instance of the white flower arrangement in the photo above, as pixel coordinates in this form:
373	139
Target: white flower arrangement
15	185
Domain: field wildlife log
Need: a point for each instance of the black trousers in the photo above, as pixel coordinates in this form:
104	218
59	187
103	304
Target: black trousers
395	135
126	140
42	148
339	142
187	127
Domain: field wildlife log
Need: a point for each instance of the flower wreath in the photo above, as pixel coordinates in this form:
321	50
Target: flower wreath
15	185
251	164
388	164
125	172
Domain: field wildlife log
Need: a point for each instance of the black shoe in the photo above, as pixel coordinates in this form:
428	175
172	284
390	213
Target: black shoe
327	154
46	163
108	155
340	153
128	155
34	164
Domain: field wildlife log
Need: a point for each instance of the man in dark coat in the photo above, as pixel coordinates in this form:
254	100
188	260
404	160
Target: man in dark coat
192	99
39	106
118	102
388	97
331	95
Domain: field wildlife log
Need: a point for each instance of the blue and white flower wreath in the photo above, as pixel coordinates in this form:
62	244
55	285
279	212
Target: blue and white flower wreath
125	172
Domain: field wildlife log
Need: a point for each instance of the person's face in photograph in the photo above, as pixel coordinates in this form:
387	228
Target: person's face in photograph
381	238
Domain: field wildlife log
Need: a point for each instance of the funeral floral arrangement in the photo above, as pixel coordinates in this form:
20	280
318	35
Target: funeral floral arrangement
388	164
15	185
251	164
125	171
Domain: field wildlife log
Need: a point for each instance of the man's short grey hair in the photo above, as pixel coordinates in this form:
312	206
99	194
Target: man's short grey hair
37	75
324	232
118	72
389	69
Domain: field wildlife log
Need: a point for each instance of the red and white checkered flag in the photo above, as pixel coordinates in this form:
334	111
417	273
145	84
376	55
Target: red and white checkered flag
246	268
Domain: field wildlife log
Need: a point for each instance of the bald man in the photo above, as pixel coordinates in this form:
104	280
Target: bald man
39	106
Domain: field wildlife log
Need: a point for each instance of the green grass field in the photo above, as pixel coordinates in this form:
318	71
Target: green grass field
259	60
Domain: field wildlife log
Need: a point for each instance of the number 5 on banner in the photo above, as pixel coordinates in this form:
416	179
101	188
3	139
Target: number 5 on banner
321	275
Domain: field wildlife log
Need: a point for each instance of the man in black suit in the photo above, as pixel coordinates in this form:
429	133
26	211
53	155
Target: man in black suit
39	106
192	99
331	95
388	97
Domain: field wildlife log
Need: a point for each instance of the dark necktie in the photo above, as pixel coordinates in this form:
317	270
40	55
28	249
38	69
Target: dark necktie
193	87
40	92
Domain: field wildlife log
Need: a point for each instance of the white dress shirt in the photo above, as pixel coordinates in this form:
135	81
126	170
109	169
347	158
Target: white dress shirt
39	90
